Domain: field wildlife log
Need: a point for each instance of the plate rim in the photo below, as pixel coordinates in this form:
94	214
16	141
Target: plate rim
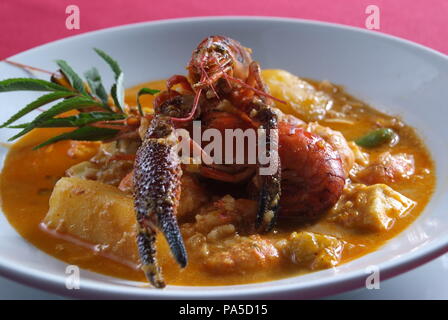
351	280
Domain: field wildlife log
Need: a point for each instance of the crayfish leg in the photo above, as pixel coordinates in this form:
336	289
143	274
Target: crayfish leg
269	184
268	203
156	179
180	80
146	243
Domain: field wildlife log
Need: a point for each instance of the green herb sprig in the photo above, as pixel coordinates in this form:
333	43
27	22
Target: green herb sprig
89	97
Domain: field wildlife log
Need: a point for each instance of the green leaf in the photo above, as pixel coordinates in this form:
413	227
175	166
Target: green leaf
26	84
75	80
79	120
144	91
19	126
83	134
94	80
67	105
110	61
117	92
38	103
61	107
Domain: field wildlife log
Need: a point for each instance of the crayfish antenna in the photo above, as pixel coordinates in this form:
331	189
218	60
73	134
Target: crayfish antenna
257	91
27	67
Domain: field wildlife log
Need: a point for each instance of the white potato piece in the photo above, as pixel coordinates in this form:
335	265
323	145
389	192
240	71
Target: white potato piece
302	99
97	214
370	208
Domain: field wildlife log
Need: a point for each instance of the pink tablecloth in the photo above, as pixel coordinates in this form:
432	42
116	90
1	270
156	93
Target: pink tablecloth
28	23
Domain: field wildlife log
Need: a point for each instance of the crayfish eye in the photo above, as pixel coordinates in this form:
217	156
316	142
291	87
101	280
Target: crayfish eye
219	48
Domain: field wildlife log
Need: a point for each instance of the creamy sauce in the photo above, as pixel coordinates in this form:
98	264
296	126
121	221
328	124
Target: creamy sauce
28	178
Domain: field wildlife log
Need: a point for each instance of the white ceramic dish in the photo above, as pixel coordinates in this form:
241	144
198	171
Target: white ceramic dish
391	74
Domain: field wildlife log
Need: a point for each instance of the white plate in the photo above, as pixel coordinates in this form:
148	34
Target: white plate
427	282
391	74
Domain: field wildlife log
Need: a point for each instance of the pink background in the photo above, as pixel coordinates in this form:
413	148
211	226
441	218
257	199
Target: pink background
28	23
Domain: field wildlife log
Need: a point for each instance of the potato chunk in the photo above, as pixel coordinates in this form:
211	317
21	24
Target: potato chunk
302	99
97	214
312	250
370	208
